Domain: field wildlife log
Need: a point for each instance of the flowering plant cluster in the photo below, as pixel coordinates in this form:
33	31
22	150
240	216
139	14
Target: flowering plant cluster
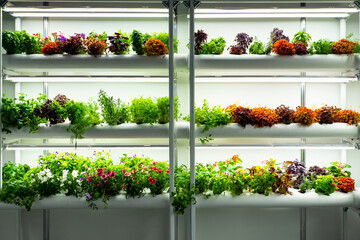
269	177
94	44
93	177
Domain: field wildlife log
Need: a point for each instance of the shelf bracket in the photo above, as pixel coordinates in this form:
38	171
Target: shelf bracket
196	4
166	4
3	3
357	4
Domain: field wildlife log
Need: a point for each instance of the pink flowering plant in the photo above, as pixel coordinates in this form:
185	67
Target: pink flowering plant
158	177
337	169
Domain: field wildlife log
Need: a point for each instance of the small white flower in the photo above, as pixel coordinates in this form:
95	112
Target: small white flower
65	173
69	182
75	174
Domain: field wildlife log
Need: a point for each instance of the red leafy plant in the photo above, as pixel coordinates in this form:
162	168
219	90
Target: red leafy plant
325	114
95	44
51	48
73	45
347	116
300	48
243	116
343	46
345	184
200	38
263	117
283	47
285	114
155	47
304	116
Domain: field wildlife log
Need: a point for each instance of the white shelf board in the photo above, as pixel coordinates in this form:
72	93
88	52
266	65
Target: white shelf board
126	130
294	130
61	201
218	65
233	130
309	199
22	64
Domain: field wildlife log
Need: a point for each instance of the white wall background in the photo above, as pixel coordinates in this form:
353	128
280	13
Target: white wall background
211	223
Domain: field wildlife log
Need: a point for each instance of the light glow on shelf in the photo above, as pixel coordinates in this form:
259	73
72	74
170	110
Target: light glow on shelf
88	12
82	147
279	146
275	79
87	79
276	13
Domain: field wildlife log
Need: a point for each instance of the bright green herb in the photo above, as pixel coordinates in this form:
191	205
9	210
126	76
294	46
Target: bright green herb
215	46
325	184
163	105
257	47
321	46
113	111
143	110
302	37
11	42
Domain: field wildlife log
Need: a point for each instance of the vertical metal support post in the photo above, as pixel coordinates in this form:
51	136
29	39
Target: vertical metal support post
192	114
1	93
342	32
302	151
344	223
46	212
171	119
343	105
18	24
18	223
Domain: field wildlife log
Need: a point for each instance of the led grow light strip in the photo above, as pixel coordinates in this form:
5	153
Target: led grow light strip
88	12
87	79
275	79
79	146
279	146
273	15
281	10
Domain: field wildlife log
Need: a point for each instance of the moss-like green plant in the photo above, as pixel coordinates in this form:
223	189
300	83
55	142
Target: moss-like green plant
215	46
143	110
163	105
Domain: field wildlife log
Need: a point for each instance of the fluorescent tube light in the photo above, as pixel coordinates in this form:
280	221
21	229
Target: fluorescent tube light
79	146
87	79
276	13
279	146
88	12
275	79
273	15
89	15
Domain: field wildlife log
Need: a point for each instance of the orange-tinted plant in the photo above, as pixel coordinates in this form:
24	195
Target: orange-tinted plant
343	46
51	48
283	47
325	115
345	184
95	47
155	47
232	110
243	116
263	117
285	114
304	116
347	116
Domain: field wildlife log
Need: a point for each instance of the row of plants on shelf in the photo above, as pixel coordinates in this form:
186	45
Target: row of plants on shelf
22	112
95	44
98	177
278	43
259	117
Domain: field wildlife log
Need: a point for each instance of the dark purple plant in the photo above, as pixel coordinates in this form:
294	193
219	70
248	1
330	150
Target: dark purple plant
285	114
300	49
243	43
118	44
73	45
278	34
200	38
298	171
316	171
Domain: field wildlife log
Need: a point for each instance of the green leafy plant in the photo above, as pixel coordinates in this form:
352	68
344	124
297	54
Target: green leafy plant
20	114
137	42
143	110
210	117
164	37
163	106
215	46
82	116
322	46
257	47
302	37
114	111
325	184
10	42
307	184
183	194
337	169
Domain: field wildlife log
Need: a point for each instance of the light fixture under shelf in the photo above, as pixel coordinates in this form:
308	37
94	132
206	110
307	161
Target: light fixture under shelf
258	79
94	79
88	12
80	147
276	13
341	146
